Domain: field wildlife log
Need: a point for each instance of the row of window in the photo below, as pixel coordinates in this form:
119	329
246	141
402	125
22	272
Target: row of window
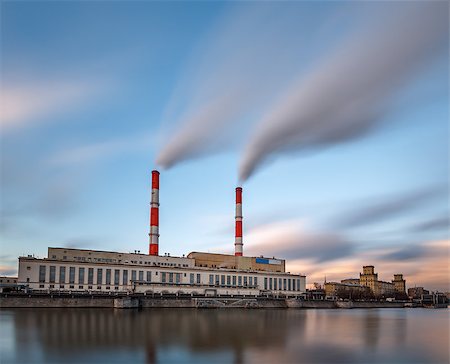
114	277
110	275
282	284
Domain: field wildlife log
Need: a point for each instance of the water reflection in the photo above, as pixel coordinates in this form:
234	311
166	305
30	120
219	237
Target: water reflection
236	336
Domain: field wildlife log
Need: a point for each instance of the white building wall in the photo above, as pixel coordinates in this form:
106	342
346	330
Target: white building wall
229	282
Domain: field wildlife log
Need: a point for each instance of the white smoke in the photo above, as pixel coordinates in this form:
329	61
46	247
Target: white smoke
347	93
247	59
230	94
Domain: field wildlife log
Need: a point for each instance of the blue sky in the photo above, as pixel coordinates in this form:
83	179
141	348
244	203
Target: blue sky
332	115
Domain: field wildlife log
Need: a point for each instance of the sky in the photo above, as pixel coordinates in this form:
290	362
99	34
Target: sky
332	116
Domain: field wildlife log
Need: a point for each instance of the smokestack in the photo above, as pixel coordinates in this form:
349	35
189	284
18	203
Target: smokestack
154	215
238	235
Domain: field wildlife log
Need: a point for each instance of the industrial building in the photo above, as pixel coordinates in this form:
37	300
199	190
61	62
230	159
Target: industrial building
79	270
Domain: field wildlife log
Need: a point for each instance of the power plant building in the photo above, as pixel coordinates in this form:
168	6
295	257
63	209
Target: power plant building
79	270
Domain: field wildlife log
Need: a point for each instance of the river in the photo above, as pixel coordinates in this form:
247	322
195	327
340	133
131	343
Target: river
224	336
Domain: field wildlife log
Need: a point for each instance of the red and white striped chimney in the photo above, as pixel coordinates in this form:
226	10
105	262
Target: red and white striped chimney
154	215
238	233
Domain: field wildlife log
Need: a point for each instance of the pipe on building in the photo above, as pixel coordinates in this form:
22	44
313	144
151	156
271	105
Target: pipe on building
154	215
238	219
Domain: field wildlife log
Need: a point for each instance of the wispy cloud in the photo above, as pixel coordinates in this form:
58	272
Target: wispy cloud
380	209
37	101
101	150
422	264
290	239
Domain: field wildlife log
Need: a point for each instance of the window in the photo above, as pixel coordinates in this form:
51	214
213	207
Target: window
217	279
62	275
99	276
42	273
178	278
91	276
116	276
71	286
245	281
52	274
250	281
228	280
289	284
170	277
211	279
298	284
293	284
255	280
279	284
265	282
198	278
149	276
80	275
275	284
270	283
141	275
222	280
80	287
61	286
89	287
239	281
133	275
234	281
284	284
191	278
99	287
108	276
41	286
125	277
163	277
52	286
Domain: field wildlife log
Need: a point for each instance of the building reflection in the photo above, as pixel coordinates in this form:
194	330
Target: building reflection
199	331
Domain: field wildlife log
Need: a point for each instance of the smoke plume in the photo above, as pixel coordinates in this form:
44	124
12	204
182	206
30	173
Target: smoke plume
347	94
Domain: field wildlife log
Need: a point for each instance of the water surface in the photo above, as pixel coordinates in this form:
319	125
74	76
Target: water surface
224	336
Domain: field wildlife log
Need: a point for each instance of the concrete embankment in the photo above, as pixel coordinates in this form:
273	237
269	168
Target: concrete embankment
123	302
55	302
359	304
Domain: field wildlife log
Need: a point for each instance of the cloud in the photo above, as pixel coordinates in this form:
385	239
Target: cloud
409	252
102	149
38	100
290	240
422	264
389	207
247	58
8	271
438	223
347	94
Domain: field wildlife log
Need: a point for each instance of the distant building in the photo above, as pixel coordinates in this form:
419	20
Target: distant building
351	281
348	289
369	279
8	284
368	283
417	292
399	283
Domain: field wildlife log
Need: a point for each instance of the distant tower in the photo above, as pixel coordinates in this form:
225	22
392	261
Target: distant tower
399	283
238	219
154	215
369	278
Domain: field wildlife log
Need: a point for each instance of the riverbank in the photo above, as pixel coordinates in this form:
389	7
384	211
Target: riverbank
139	301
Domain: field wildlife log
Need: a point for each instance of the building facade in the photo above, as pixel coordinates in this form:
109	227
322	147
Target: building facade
348	289
78	270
